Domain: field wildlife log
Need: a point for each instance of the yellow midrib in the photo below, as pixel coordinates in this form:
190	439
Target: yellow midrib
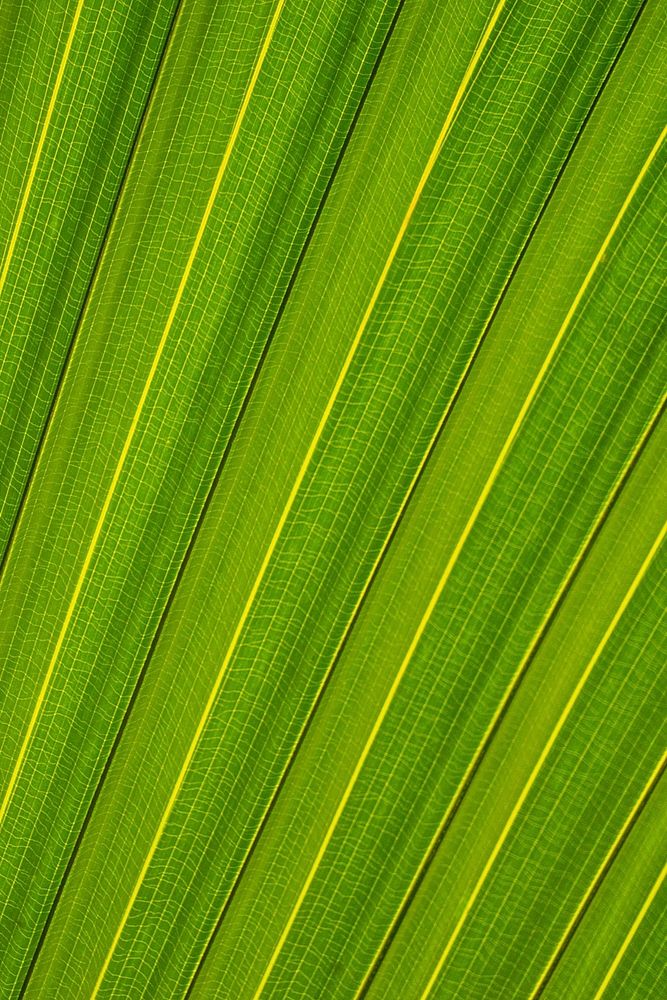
134	424
546	750
631	933
454	557
502	705
618	840
458	98
292	497
40	146
3	278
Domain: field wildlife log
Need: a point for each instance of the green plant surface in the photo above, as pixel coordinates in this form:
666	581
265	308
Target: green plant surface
155	383
331	605
437	720
522	853
73	83
616	950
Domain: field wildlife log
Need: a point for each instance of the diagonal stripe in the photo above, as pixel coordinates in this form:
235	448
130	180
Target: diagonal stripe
599	876
499	713
135	420
458	98
38	152
170	319
92	284
518	805
631	933
462	540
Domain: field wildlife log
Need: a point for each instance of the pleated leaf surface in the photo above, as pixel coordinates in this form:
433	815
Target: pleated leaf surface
333	480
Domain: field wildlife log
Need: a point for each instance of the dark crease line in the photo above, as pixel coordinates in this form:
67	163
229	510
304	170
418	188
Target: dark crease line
362	101
70	349
86	298
619	486
553	964
205	507
510	698
214	485
354	619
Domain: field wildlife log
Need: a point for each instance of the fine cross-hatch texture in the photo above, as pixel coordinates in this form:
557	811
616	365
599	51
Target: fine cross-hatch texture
333	479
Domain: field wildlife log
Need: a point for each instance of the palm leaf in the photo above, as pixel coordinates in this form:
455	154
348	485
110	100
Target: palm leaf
72	94
333	500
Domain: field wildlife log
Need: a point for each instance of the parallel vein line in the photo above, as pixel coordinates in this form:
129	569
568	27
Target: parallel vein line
460	543
599	875
297	485
506	700
202	226
458	98
136	418
518	805
631	933
81	312
40	146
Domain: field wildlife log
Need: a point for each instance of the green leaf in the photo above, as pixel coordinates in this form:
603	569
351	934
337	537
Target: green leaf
330	615
154	386
617	945
527	843
72	91
557	480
